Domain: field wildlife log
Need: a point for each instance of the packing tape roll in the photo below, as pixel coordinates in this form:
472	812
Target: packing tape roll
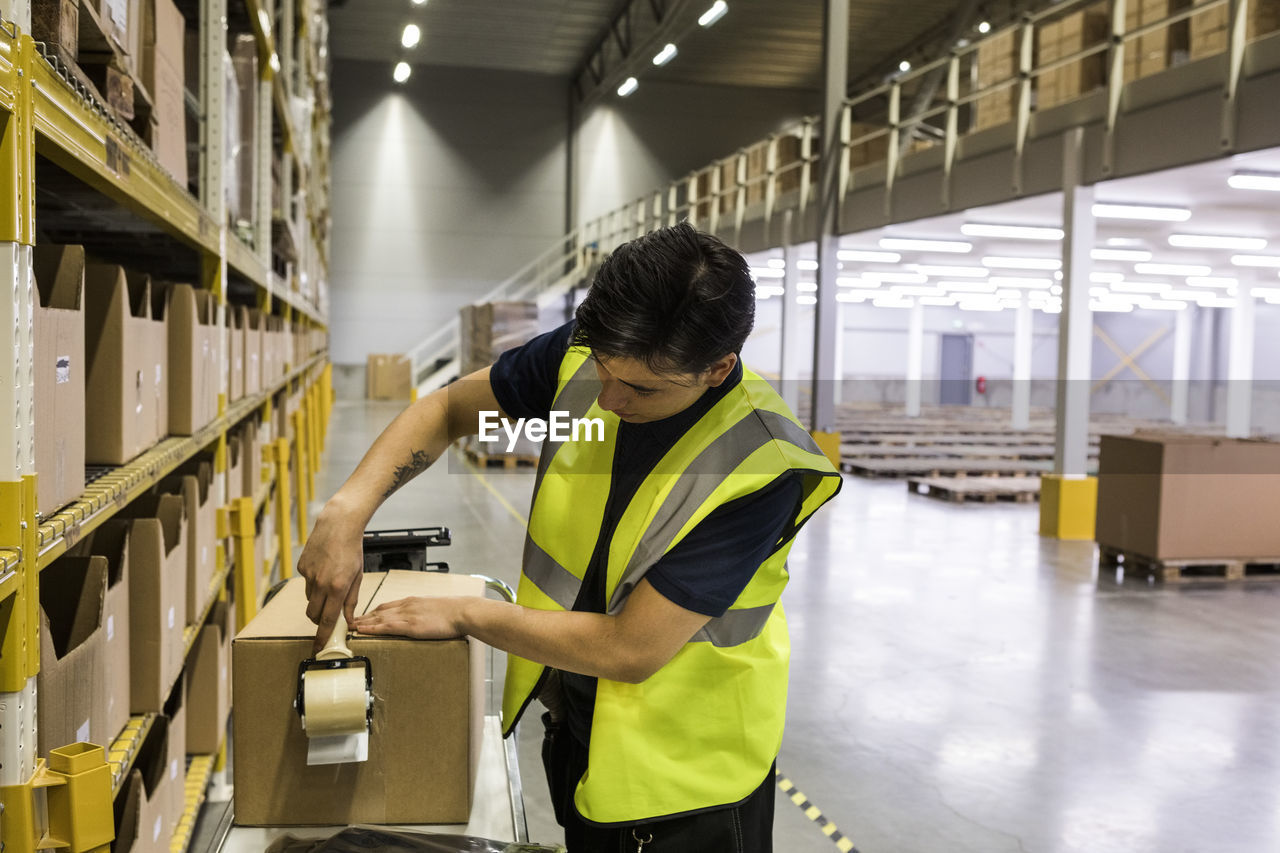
335	701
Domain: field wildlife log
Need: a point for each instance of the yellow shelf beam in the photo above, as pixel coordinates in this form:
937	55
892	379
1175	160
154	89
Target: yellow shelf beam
199	769
124	749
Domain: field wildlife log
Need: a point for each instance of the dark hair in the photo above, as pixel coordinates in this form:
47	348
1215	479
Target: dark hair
676	299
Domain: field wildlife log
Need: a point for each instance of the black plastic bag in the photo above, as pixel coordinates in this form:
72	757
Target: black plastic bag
361	839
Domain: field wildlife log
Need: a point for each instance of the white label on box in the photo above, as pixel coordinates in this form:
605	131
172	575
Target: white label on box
171	618
159	373
111	628
204	554
62	369
155	833
82	733
173	769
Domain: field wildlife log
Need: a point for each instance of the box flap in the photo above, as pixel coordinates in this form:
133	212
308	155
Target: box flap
285	615
59	272
404	584
72	619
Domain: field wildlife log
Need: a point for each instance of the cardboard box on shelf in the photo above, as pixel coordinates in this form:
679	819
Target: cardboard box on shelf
72	706
236	322
157	598
1175	497
162	72
389	377
193	357
411	776
252	324
126	389
251	456
143	821
175	710
59	375
194	483
235	466
111	542
996	61
209	683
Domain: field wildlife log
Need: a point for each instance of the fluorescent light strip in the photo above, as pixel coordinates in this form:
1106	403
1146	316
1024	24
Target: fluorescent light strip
1163	305
1172	269
888	301
1120	255
981	306
1022	263
899	277
910	244
868	255
1213	241
858	294
777	263
1254	181
1219	282
916	290
847	281
767	290
850	296
715	13
1013	232
1110	307
807	264
767	272
1106	276
954	272
1153	213
967	286
628	86
1138	287
665	55
1272	261
807	300
806	287
938	301
1267	293
1018	281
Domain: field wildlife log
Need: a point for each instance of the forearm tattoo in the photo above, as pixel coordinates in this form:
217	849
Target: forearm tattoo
418	463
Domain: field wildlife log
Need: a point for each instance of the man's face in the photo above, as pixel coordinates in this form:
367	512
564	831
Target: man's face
637	395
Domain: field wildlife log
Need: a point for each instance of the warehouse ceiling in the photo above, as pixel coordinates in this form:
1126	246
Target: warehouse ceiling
760	43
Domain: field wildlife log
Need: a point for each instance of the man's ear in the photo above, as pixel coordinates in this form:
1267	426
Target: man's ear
719	372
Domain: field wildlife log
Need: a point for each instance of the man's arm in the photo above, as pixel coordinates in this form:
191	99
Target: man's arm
629	646
332	560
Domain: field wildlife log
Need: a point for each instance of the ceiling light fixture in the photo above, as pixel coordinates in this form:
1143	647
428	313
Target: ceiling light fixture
897	277
807	300
806	264
767	272
777	264
1214	241
1219	282
954	272
419	2
869	255
1022	263
411	36
904	66
807	287
1154	213
911	244
1256	260
1172	269
628	86
1013	232
984	27
1106	276
401	72
665	55
850	296
853	281
1120	255
1255	181
1138	287
715	13
1110	307
1163	304
1018	281
967	286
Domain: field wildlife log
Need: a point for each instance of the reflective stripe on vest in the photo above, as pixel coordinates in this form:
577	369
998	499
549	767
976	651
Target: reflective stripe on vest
702	731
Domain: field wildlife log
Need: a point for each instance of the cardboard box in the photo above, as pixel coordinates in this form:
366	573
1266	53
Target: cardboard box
388	377
1209	28
488	329
235	466
1176	497
162	71
127	351
111	542
1065	37
193	357
251	456
251	323
996	61
235	323
427	718
72	706
58	321
143	822
209	683
175	710
157	599
194	483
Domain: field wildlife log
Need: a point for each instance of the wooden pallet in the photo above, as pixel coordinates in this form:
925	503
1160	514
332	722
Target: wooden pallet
979	489
501	460
1191	571
897	469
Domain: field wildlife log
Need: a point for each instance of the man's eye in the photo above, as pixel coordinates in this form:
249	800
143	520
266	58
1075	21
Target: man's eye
645	392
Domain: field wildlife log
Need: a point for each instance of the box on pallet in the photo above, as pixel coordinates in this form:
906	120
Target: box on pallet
157	598
1175	496
488	329
1209	28
162	70
412	775
193	357
1069	35
127	391
111	542
57	24
59	375
1154	52
72	680
209	683
389	377
144	823
996	61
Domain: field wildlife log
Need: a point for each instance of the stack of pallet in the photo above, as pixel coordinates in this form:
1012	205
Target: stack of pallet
1209	29
1065	37
486	331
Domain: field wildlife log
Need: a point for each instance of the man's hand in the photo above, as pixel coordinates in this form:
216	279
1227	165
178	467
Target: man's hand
332	562
433	618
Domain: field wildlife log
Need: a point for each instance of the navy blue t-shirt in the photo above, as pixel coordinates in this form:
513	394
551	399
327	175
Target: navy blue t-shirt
707	570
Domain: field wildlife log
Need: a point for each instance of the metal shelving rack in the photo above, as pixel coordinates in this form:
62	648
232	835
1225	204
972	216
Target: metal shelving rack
46	112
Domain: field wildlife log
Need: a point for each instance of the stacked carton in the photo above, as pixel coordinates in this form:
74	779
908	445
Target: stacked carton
1067	36
488	329
1156	51
872	150
1209	28
996	62
389	377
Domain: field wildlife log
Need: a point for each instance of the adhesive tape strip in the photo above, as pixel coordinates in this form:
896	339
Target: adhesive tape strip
335	701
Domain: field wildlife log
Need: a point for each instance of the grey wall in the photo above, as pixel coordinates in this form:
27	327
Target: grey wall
629	147
442	188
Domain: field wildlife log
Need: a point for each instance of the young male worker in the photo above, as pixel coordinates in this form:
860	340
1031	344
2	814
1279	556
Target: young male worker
648	616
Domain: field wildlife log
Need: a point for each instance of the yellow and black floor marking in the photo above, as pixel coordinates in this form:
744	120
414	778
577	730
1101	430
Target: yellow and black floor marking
815	814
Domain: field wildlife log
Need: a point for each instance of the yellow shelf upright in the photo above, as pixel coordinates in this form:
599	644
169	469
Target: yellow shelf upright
238	520
277	453
300	470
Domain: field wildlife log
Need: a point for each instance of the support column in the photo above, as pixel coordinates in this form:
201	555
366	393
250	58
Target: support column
1181	365
835	86
1069	497
1022	329
1240	363
915	358
789	366
838	388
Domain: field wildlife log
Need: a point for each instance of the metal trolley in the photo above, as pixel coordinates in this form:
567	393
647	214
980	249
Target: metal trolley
498	810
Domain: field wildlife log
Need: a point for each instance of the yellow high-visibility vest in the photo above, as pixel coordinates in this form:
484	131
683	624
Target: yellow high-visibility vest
704	730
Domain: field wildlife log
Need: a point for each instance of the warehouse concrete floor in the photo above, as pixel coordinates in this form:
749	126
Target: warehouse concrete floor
958	683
